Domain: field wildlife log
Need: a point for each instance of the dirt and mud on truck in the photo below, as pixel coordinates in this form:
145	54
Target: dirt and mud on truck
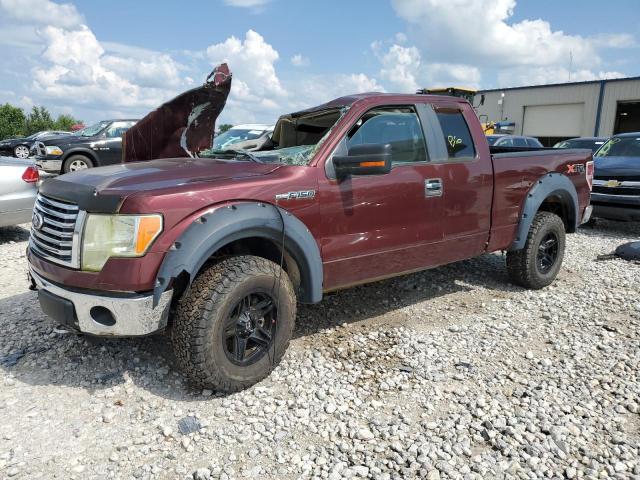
215	248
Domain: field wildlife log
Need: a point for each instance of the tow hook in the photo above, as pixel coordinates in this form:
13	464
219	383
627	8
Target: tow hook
32	283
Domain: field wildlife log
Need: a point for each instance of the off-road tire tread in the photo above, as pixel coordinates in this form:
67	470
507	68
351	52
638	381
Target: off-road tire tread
521	266
206	294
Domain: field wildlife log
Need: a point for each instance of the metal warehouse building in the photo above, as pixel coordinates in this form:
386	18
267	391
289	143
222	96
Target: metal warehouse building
565	110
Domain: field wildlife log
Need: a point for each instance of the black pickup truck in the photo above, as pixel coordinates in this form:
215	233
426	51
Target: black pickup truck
94	146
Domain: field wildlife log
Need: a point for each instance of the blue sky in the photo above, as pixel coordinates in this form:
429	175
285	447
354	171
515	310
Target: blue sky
122	58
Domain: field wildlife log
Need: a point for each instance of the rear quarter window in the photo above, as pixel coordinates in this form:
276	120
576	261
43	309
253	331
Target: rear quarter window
456	134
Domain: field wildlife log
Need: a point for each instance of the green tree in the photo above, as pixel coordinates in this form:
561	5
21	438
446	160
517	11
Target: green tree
65	122
37	120
224	127
11	121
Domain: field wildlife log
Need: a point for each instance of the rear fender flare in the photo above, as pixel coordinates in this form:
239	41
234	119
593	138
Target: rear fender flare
225	224
551	184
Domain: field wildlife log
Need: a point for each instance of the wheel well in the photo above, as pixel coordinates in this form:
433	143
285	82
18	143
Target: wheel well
258	246
560	207
261	247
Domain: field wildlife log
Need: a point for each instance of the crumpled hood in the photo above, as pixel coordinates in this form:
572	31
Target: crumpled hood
104	189
617	166
182	127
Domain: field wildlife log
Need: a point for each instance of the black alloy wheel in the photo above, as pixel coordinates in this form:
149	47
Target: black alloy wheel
232	327
547	253
250	329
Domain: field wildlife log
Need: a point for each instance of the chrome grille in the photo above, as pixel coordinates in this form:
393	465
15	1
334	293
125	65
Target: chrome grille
55	233
620	186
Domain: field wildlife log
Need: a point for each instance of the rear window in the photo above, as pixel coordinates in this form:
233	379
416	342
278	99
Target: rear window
456	134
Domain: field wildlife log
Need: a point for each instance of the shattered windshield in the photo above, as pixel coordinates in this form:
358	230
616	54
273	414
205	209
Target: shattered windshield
300	155
296	139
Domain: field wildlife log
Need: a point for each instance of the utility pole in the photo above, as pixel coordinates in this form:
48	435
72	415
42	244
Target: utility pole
570	63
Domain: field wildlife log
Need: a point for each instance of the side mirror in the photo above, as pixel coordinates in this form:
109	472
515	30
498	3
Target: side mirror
365	159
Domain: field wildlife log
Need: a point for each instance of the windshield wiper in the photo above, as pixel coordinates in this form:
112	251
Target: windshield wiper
249	155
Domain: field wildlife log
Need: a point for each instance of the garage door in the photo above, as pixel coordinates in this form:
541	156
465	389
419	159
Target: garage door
563	120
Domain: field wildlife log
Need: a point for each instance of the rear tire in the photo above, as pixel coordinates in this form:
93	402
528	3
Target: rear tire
226	336
538	263
21	151
76	162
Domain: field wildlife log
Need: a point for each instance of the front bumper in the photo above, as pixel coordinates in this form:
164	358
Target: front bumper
108	314
616	207
48	164
616	212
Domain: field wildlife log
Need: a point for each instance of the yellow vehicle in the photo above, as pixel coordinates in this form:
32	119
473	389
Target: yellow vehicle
469	94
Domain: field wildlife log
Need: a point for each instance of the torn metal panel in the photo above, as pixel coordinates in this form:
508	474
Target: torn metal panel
182	127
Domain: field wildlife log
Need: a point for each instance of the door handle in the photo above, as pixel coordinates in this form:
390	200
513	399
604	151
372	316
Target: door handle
433	187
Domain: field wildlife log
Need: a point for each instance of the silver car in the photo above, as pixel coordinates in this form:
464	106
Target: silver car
18	189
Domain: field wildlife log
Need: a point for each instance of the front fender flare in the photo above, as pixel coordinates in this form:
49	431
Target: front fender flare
551	184
225	224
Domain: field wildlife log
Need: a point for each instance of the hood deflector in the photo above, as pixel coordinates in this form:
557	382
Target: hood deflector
182	127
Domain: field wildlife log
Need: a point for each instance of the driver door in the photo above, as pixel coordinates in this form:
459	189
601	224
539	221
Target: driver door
375	226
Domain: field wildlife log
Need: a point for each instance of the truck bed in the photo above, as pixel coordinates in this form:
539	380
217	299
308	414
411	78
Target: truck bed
515	170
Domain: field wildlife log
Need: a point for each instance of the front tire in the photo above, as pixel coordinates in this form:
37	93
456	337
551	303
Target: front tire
538	263
21	151
75	163
234	324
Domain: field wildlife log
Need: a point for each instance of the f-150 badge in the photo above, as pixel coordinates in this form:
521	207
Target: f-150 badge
296	195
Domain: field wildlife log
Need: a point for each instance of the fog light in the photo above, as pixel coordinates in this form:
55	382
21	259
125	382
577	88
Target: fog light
103	316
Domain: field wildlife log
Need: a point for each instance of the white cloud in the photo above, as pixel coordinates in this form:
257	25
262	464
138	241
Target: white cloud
246	3
615	40
66	65
42	12
252	62
259	94
76	70
455	74
403	69
256	90
299	61
457	40
465	31
516	77
401	66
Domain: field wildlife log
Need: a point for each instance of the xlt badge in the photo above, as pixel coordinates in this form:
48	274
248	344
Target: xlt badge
296	195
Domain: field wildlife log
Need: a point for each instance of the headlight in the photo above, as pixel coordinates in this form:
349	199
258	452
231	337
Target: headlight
53	150
108	236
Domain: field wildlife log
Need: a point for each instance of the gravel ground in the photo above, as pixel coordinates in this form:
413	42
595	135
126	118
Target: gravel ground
450	373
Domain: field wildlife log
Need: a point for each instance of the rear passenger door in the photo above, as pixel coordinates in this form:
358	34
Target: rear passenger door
375	226
467	181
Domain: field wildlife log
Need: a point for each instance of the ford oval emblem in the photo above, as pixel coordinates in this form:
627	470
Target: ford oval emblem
37	221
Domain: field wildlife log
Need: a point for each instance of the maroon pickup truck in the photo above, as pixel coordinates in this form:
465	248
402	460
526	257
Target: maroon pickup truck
216	247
